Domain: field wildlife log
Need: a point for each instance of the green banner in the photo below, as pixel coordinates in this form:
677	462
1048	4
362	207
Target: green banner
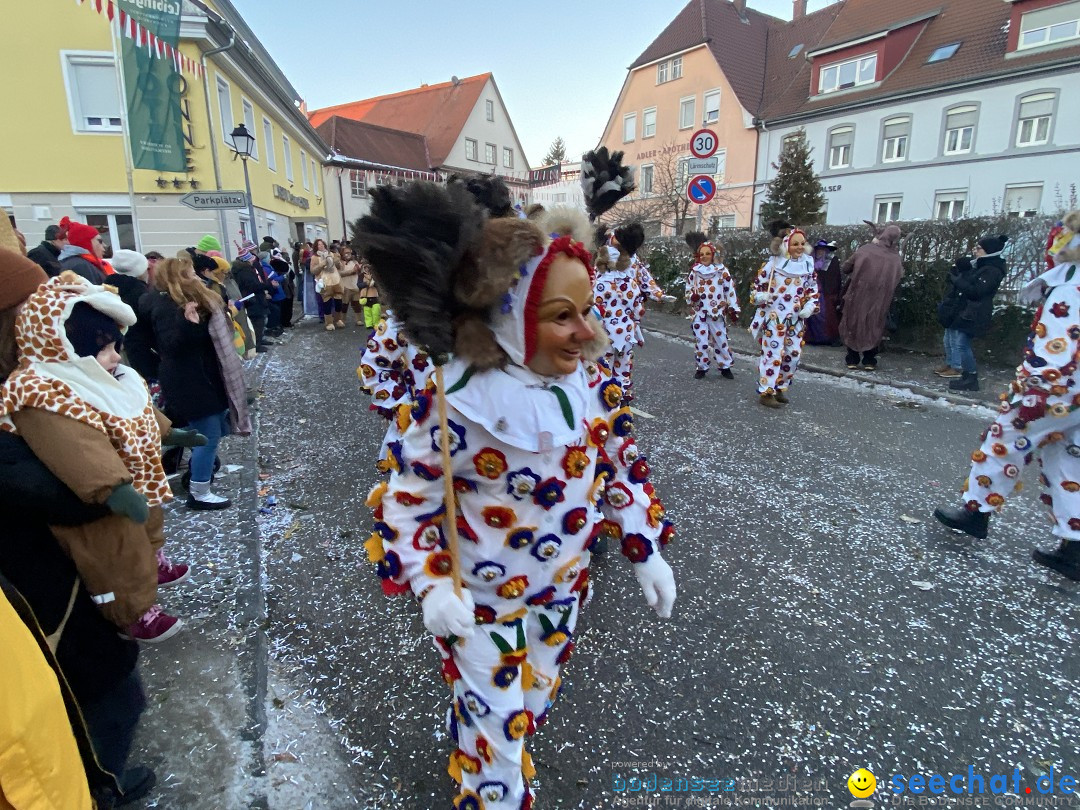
152	84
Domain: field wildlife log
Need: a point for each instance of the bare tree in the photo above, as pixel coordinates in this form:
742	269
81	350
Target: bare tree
661	196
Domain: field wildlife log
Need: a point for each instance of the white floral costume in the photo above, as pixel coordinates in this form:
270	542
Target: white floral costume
618	300
711	292
783	292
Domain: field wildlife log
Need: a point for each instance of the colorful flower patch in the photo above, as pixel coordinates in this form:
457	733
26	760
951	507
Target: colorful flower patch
490	463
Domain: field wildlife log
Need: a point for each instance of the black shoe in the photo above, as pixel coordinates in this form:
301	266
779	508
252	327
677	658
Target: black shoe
964	520
135	783
700	374
1065	559
261	349
726	374
969	381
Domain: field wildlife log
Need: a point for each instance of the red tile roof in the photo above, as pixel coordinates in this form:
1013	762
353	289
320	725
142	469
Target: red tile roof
754	49
979	25
436	111
369	142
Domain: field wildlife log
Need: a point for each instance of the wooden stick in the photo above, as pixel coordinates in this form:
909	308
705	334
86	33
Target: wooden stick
449	495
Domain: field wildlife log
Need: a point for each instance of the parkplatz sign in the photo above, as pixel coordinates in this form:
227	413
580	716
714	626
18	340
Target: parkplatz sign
209	200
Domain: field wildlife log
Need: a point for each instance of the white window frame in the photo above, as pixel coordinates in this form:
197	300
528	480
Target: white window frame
224	115
1047	35
631	119
491	154
836	67
662	73
315	169
959	149
508	157
893	203
848	147
111	235
895	149
79	125
304	170
358	184
952	200
1026	212
721	164
676	68
1034	119
475	149
286	148
489	109
682	172
271	150
648	130
645	179
687	121
248	110
706	118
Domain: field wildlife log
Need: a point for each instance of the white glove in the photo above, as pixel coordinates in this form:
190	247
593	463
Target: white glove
658	583
446	614
667	299
762	298
807	311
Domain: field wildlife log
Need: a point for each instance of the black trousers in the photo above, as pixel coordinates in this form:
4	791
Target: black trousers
112	720
869	358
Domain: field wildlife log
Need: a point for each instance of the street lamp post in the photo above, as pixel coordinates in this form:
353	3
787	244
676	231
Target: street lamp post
242	144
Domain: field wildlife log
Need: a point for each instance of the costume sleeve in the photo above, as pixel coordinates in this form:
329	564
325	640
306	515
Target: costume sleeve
1053	351
408	542
381	370
79	455
811	295
693	293
731	295
632	511
761	280
849	264
648	284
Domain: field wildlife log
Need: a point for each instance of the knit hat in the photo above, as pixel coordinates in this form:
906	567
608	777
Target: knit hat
130	263
221	265
19	277
204	263
247	251
79	234
993	245
90	330
208	243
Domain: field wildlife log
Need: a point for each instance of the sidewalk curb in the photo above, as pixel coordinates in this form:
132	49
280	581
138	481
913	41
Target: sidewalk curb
914	388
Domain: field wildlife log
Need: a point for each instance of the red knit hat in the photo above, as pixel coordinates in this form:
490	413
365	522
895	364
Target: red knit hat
79	234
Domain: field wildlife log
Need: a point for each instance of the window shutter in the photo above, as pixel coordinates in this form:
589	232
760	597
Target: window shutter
98	96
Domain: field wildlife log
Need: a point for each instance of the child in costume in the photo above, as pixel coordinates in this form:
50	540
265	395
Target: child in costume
543	463
1039	416
711	292
785	294
69	336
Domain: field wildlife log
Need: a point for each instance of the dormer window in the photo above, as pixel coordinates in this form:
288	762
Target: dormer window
669	70
852	73
1048	26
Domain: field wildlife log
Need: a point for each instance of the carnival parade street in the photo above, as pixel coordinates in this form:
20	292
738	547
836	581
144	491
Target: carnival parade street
825	621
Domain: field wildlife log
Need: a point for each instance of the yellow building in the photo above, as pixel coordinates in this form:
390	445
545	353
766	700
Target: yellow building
63	142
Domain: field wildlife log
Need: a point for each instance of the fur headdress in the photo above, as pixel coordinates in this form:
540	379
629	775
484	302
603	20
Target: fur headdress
605	180
694	240
489	191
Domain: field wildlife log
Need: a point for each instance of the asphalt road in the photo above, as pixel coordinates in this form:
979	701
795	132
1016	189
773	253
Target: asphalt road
824	621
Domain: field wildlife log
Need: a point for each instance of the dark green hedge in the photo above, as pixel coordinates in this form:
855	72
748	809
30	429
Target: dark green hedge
928	250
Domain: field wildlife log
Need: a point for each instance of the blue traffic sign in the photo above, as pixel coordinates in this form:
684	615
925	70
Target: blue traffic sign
701	189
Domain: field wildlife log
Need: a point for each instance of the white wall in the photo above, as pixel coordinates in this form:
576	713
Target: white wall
984	173
499	132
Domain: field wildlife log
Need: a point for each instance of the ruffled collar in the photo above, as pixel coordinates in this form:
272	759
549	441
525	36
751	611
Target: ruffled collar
793	268
518	406
707	270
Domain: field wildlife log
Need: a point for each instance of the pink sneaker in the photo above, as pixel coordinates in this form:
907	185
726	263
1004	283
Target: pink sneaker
170	573
153	626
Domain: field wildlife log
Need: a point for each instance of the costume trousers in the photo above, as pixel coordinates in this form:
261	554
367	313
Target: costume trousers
1006	450
372	313
781	351
506	677
711	336
622	369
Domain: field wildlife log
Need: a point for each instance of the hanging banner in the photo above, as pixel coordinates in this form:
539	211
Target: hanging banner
150	33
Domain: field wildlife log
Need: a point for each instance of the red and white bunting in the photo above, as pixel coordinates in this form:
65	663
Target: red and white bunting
131	29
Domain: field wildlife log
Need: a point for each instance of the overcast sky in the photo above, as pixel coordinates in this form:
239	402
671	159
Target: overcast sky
559	64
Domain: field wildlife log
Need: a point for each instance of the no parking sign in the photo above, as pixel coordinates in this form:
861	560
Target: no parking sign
701	189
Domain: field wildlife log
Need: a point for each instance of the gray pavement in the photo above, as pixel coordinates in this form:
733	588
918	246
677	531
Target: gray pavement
824	622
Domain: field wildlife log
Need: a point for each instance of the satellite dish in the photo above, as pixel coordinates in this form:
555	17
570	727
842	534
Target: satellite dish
455	80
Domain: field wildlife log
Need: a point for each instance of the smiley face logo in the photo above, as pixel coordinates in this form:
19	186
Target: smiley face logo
862	783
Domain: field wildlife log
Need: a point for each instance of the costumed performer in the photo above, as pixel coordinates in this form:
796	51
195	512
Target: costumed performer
711	293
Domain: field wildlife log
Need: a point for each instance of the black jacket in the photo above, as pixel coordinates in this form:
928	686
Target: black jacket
93	658
969	299
139	340
188	371
87	270
48	256
250	281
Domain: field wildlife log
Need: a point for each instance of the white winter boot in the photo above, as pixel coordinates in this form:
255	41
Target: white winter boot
200	497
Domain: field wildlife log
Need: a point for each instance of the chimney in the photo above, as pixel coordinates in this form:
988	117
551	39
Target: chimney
740	6
799	9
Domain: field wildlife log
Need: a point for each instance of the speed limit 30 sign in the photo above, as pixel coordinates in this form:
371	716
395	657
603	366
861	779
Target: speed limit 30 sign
703	143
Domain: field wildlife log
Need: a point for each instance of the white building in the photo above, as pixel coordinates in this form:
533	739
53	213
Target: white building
963	107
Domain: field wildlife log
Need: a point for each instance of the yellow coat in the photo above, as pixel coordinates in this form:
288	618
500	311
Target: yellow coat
40	768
